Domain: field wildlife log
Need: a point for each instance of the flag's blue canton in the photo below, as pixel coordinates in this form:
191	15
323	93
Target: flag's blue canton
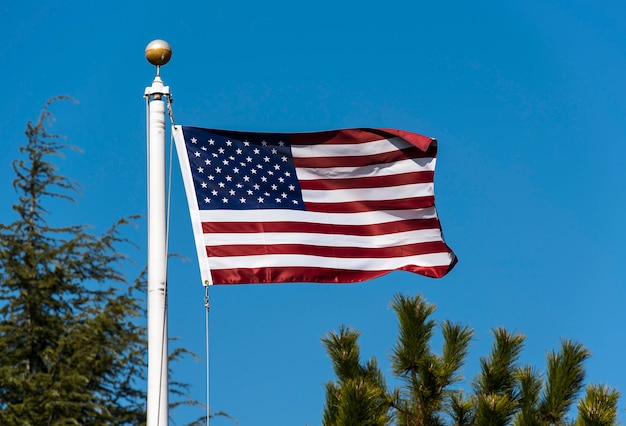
247	171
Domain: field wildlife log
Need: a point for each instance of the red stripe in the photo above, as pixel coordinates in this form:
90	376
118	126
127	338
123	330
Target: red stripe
356	136
366	160
313	275
323	251
420	141
372	205
319	228
373	182
334	137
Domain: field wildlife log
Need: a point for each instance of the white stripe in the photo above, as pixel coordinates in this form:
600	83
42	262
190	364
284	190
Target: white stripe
386	169
286	215
324	240
353	149
362	194
357	264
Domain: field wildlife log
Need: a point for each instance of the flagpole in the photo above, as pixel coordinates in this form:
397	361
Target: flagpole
158	53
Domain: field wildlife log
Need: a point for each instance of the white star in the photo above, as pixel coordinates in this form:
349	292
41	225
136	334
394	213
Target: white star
263	179
263	143
266	159
239	151
207	200
260	200
295	201
200	169
239	185
249	159
283	158
281	180
203	148
250	192
197	154
283	195
221	150
211	177
256	186
276	167
278	200
231	192
274	151
246	178
203	184
218	170
246	143
229	178
225	162
242	200
274	187
291	188
214	192
287	174
194	140
221	184
211	142
207	162
235	170
225	200
281	143
256	150
229	143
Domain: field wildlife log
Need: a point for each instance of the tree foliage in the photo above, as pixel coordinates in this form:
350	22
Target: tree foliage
70	350
358	397
502	393
427	377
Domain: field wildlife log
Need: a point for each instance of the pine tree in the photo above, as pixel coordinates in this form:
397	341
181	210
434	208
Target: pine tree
565	378
598	407
70	350
495	387
358	397
427	376
503	392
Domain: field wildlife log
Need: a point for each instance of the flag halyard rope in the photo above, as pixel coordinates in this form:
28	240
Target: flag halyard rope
207	305
207	308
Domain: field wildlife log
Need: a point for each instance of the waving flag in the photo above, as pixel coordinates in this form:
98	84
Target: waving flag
328	207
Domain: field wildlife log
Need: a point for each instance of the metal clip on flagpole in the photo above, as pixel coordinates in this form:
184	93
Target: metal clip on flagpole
158	53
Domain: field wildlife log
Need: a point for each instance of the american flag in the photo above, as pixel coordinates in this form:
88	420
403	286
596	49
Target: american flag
328	207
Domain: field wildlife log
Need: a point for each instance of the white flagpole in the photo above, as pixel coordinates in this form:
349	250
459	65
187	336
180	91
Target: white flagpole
158	52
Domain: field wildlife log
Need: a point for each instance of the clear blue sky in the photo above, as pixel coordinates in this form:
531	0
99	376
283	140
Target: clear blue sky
526	98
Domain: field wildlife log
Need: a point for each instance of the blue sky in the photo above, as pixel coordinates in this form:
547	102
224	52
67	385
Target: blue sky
527	100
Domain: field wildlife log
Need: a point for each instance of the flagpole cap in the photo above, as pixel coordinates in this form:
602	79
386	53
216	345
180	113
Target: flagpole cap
158	52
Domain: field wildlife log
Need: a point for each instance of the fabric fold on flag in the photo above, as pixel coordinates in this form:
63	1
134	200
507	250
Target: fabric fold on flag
338	206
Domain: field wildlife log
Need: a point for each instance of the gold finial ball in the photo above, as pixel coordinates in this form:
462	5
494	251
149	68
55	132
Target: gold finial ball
158	52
